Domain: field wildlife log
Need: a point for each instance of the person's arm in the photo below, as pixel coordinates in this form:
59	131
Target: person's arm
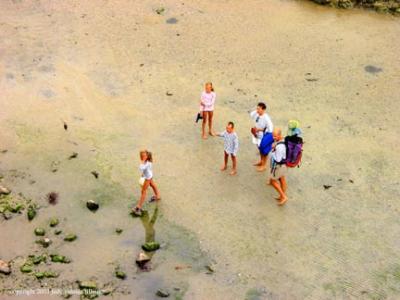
236	144
253	114
213	99
221	134
202	100
270	126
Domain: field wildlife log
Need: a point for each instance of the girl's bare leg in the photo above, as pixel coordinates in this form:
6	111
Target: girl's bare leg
203	125
143	195
233	165
210	123
225	165
155	189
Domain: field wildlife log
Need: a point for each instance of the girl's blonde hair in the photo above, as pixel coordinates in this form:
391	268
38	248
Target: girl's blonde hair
210	83
148	154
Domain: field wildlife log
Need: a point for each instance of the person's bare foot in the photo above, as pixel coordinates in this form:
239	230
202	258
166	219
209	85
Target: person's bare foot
257	164
212	133
261	169
204	137
282	201
233	173
223	168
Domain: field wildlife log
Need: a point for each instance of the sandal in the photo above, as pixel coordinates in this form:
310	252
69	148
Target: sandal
153	199
137	212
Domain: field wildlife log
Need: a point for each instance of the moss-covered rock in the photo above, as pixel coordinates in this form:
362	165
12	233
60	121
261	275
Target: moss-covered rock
120	274
381	6
27	267
15	207
60	259
90	285
31	213
50	274
46	274
151	246
45	242
57	231
39	275
70	237
38	259
54	222
40	231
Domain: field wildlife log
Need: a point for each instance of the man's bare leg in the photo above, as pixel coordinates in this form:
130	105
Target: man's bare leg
282	180
263	160
277	187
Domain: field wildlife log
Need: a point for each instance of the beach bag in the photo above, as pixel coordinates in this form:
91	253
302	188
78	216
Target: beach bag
141	181
266	143
294	151
199	117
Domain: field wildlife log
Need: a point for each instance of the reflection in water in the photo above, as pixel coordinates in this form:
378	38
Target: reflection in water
148	224
148	221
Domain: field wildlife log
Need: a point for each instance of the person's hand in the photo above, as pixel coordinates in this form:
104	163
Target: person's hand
254	131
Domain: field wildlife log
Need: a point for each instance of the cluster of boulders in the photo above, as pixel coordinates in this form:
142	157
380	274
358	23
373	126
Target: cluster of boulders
11	205
17	204
382	6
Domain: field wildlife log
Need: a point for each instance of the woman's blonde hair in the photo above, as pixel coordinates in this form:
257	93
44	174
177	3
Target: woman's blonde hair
148	154
210	83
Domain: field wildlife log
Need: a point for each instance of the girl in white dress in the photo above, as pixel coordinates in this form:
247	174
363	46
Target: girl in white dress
147	173
207	102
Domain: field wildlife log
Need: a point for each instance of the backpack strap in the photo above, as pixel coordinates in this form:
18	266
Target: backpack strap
283	161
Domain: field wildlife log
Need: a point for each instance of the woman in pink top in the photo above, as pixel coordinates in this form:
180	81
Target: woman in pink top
207	108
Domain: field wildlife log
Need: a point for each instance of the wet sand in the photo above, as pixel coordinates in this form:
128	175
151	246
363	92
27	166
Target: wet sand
105	68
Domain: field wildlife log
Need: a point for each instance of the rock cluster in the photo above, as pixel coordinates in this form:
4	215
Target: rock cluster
381	6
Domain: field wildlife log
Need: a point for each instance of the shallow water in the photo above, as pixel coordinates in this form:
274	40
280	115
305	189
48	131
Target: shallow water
106	70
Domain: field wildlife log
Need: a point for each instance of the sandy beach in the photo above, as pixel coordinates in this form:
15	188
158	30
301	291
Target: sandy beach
124	78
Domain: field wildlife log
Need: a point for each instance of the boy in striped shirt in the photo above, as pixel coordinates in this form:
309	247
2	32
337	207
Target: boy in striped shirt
231	146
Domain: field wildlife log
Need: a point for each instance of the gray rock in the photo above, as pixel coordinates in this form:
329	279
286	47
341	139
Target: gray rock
4	190
92	205
160	10
142	259
162	293
5	267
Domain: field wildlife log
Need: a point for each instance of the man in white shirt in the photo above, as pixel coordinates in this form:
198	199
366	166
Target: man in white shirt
278	166
263	124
